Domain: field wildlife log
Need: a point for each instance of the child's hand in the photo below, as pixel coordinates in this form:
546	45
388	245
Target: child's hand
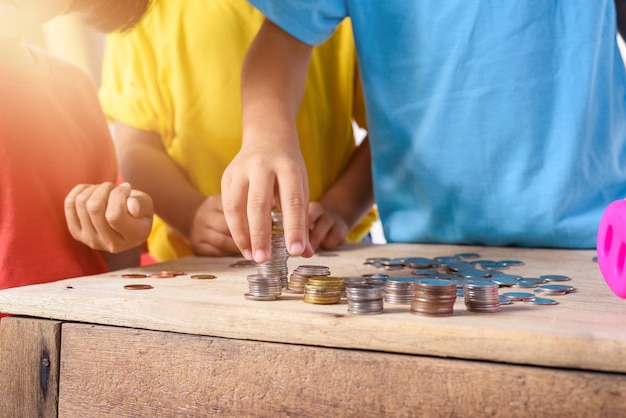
256	179
327	228
109	218
209	234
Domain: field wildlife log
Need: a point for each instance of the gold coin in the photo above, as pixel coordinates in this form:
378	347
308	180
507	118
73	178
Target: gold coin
137	287
203	276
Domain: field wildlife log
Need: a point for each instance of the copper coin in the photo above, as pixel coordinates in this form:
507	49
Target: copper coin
137	287
162	275
204	276
134	275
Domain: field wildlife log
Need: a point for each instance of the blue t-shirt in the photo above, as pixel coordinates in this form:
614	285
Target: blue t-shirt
491	122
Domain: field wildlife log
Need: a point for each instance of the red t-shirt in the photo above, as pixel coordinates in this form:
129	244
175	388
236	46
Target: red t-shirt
53	136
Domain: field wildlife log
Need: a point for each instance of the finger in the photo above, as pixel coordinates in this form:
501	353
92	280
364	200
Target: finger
216	215
318	234
259	216
88	231
234	203
71	215
294	203
333	238
105	200
140	205
215	244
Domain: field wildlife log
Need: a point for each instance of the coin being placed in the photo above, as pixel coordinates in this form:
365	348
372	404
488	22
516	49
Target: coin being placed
134	276
203	276
137	287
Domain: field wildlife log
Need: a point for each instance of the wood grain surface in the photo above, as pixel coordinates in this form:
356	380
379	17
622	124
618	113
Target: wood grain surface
121	372
584	331
29	367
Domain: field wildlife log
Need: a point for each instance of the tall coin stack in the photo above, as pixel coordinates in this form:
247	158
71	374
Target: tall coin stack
364	299
433	297
277	264
481	296
323	290
301	275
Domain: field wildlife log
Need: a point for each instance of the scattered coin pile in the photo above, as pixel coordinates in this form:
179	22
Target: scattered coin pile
476	280
431	290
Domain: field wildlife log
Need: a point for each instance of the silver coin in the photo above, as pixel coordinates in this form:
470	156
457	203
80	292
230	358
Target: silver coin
555	278
521	296
542	301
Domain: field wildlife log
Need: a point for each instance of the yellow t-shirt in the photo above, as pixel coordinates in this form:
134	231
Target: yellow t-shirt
178	74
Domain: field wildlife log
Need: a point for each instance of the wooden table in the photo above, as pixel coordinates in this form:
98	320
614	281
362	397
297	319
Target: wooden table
87	347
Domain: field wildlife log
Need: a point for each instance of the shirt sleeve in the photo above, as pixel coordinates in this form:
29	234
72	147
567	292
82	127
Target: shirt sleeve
309	21
128	91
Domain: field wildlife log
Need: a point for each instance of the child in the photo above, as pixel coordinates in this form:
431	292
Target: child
172	85
53	136
490	122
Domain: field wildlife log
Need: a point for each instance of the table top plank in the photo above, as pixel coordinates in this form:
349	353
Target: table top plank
585	331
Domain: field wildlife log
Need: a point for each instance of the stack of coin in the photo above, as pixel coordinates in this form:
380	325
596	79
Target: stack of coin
302	274
377	279
277	264
263	287
399	290
353	281
433	297
481	296
323	290
364	299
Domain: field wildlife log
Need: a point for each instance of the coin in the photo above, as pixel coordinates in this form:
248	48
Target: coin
134	276
555	278
521	296
162	275
243	264
137	287
203	276
542	301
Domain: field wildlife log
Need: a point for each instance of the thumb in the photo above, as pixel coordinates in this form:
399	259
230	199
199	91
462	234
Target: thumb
140	205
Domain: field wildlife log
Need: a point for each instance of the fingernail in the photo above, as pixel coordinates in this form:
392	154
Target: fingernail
260	256
296	248
247	254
